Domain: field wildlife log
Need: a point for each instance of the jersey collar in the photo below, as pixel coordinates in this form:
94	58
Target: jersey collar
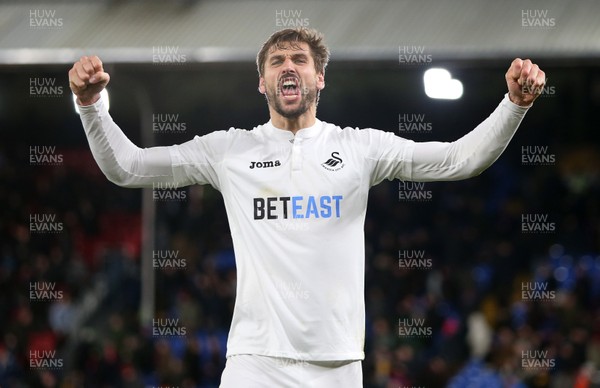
303	133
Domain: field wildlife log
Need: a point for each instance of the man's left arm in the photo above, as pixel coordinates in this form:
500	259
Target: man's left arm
476	151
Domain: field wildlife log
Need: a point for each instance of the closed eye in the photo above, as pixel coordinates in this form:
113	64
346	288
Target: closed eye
297	58
276	60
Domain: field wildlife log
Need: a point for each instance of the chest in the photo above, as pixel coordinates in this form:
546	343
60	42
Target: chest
306	179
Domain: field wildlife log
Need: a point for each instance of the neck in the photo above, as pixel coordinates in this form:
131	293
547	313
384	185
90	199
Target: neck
294	124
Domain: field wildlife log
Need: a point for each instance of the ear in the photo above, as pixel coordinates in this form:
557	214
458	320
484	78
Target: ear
261	85
320	81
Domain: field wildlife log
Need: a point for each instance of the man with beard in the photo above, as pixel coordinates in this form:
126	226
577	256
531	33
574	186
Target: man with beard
295	191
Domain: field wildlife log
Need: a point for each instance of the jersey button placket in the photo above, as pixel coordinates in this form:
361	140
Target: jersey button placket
297	154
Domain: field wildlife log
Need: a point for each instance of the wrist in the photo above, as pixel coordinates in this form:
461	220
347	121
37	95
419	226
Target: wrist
88	101
518	101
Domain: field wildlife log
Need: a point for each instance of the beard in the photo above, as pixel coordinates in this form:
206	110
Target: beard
307	98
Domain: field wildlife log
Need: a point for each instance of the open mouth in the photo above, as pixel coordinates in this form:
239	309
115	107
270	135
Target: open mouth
289	86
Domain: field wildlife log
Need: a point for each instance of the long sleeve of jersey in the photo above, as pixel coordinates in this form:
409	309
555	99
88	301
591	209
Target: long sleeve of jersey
123	163
394	157
128	165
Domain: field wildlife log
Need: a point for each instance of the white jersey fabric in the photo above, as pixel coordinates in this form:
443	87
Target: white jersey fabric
254	371
296	208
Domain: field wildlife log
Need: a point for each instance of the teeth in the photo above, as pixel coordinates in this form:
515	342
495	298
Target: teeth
289	82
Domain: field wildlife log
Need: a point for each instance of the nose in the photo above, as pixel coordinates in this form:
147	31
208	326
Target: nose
288	66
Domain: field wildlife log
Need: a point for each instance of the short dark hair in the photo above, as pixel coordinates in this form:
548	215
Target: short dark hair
293	36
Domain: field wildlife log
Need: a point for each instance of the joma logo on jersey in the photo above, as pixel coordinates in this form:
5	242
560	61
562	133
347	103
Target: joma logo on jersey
265	164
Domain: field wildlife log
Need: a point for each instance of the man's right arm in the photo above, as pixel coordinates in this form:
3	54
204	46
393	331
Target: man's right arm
124	163
121	161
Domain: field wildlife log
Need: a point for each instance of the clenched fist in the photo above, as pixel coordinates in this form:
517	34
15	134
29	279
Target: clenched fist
525	81
87	79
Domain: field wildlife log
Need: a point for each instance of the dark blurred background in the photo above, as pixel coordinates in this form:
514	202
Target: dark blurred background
98	331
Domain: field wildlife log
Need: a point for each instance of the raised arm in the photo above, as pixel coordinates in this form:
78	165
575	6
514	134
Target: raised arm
394	157
120	160
477	150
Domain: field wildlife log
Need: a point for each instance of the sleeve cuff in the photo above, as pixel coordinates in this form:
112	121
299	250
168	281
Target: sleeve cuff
97	107
514	107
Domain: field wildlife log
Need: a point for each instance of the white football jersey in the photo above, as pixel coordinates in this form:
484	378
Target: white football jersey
296	207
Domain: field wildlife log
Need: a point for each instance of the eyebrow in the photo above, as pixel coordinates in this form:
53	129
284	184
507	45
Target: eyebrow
282	56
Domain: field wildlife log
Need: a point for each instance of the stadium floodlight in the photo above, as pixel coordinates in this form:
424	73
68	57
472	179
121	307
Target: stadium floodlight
439	84
103	94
